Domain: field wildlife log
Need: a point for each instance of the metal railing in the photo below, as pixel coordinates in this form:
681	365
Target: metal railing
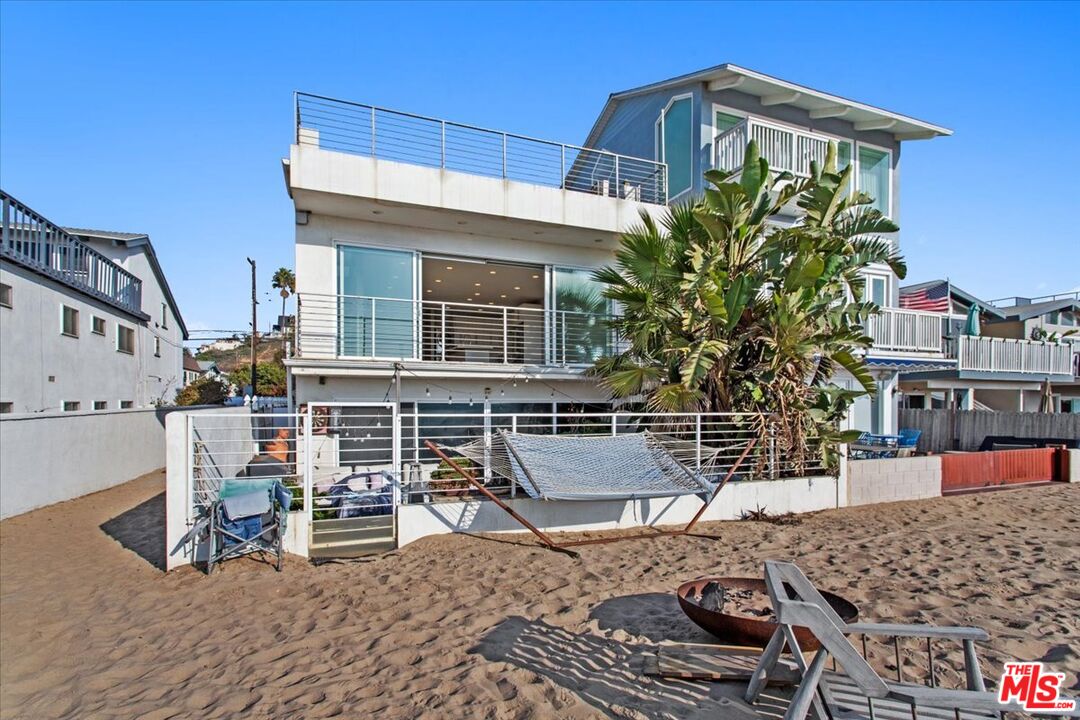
992	354
908	330
376	132
1014	300
32	241
785	148
350	326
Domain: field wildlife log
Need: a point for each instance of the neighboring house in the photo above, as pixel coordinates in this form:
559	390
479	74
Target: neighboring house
221	345
704	120
440	264
192	371
1001	368
87	320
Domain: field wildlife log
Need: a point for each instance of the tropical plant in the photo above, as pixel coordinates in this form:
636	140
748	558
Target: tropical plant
284	281
726	310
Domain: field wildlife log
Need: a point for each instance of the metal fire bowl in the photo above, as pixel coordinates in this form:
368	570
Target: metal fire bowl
750	632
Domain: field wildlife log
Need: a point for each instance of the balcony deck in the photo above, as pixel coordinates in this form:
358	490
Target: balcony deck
30	240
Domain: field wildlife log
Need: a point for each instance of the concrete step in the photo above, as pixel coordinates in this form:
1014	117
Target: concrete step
351	550
321	536
358	523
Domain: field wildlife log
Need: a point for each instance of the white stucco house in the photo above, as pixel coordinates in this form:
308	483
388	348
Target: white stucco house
87	319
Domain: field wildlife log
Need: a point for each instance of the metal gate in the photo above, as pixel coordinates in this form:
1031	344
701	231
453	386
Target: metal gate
351	452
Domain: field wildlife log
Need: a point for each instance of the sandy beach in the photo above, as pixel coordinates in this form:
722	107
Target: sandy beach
463	626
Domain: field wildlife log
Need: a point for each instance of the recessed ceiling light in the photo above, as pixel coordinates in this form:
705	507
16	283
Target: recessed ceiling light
429	289
476	294
490	302
438	280
536	277
517	287
469	299
502	296
449	267
476	284
491	272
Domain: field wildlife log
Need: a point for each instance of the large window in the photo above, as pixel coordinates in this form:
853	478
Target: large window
722	122
125	339
376	314
580	332
675	145
874	177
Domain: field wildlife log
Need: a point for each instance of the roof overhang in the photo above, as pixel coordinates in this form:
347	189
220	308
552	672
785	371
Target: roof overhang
910	364
774	91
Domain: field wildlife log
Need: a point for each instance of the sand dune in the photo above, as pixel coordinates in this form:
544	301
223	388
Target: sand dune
472	627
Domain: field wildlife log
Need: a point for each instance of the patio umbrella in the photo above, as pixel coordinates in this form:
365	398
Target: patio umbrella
1046	402
971	324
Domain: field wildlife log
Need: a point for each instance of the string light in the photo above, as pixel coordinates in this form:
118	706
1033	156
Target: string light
427	391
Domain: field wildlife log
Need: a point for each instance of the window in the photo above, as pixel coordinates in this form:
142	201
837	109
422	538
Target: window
71	406
843	158
157	347
874	177
6	407
125	339
101	404
97	325
383	326
164	315
722	122
5	295
69	321
675	147
877	291
126	404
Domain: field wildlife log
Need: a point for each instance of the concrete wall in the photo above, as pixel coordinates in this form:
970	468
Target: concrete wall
45	459
1074	466
891	480
775	496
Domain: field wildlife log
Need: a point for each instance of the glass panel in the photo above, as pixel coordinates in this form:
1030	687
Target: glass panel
579	323
843	159
724	122
677	150
877	291
874	176
375	307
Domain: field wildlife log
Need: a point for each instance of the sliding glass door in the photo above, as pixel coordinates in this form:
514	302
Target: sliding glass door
579	328
376	302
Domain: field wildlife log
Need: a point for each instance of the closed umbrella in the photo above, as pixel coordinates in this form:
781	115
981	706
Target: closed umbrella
971	325
1046	402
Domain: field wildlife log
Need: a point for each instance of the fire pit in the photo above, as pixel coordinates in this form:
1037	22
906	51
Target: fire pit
744	616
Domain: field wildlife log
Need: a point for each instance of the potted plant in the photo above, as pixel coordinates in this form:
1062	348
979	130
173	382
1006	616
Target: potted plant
450	483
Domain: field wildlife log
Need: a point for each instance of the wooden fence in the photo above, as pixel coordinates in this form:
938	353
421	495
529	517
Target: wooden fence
944	430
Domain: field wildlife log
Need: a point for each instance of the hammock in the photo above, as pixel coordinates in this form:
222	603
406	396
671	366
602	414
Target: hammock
587	467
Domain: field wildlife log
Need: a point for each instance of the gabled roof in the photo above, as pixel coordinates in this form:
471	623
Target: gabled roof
191	363
135	240
959	294
781	92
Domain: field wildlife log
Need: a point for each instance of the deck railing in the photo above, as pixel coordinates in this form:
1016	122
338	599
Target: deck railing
785	148
992	354
32	241
351	326
908	330
376	132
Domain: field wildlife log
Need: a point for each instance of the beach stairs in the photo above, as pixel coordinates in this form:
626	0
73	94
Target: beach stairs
352	537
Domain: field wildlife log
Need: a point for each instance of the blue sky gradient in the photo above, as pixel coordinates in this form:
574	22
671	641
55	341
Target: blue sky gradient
171	119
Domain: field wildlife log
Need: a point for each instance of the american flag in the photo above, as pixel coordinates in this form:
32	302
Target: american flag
931	299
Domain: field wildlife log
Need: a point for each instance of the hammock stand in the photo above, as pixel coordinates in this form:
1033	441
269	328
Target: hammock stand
564	547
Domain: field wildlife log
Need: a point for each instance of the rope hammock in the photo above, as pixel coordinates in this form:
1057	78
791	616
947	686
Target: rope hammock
592	467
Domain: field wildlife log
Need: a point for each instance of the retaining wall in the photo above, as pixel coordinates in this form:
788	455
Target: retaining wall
893	479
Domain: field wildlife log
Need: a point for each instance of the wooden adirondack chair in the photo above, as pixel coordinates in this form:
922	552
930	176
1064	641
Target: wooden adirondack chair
797	603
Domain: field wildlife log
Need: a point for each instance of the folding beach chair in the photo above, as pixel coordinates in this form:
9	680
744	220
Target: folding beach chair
248	517
858	691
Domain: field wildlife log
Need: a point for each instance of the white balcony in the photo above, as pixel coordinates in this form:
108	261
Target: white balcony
896	330
785	148
347	327
1006	355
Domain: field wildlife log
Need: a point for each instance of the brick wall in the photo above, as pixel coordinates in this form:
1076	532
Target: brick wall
878	481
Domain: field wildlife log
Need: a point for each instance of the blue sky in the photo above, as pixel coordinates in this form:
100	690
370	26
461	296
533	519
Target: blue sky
171	119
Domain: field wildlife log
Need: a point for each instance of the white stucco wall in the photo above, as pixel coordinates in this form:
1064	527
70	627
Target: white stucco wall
776	496
49	458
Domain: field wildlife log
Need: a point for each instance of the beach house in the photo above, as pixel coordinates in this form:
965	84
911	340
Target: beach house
87	320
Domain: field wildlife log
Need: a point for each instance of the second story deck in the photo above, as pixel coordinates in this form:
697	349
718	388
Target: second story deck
32	241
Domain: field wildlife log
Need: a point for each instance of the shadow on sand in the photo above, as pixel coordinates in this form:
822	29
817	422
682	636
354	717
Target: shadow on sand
141	530
655	616
607	674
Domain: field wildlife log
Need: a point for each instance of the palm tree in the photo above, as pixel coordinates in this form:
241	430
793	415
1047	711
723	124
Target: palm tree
726	311
285	282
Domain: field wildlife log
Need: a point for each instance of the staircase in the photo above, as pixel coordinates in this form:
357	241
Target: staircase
352	537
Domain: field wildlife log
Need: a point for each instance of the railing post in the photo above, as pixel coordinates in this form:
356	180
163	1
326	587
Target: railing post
442	332
373	353
614	424
562	168
504	155
506	338
697	442
513	480
373	132
5	222
563	337
442	144
308	464
618	185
